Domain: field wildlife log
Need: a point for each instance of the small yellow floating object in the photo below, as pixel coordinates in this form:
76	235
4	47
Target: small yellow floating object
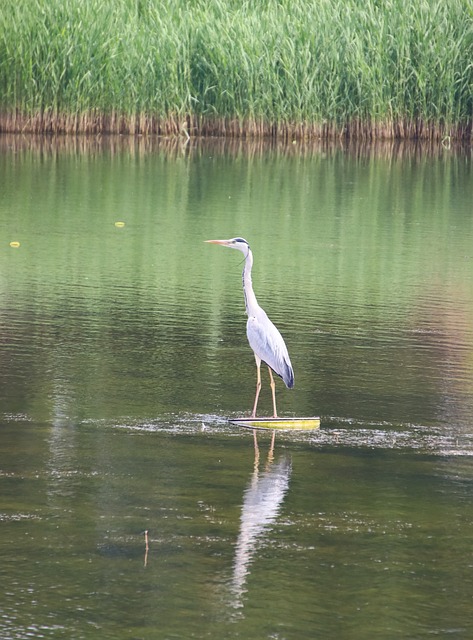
119	224
296	424
14	244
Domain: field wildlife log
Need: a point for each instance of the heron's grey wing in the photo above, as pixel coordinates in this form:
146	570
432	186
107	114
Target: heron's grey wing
268	344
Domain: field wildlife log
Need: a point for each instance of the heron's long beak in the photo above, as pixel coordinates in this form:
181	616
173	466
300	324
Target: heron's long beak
217	241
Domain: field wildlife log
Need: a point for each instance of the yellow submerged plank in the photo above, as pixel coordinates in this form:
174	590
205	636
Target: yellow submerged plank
278	423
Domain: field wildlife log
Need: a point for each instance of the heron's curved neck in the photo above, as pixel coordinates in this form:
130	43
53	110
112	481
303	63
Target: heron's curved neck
250	299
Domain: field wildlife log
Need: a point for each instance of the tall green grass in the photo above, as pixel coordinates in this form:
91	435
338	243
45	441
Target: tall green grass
370	68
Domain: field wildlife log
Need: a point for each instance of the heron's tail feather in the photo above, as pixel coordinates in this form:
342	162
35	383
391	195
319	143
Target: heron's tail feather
288	376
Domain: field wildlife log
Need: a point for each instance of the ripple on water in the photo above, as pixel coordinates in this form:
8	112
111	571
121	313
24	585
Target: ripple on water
334	432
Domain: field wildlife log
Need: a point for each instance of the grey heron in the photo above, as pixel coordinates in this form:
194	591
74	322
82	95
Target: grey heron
264	338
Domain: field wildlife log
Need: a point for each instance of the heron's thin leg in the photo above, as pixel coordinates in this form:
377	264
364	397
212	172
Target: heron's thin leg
273	391
258	384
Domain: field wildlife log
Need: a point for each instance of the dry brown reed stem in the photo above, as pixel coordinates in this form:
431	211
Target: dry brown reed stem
94	122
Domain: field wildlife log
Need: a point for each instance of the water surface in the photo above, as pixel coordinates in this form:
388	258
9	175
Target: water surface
123	353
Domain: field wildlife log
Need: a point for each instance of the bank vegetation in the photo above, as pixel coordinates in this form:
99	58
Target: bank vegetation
247	68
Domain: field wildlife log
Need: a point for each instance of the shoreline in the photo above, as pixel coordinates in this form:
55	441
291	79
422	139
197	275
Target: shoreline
80	144
189	126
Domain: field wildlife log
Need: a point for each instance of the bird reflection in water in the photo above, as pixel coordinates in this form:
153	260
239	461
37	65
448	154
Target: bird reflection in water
262	501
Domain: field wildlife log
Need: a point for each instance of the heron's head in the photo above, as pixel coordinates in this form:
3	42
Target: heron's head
234	243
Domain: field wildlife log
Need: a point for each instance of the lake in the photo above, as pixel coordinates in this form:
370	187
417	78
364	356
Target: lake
130	507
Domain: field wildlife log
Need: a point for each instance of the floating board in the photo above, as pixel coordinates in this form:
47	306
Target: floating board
278	423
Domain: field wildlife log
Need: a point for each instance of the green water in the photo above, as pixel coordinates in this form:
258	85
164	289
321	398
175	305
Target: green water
123	352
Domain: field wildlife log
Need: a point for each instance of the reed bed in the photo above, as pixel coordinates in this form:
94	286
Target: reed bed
284	69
